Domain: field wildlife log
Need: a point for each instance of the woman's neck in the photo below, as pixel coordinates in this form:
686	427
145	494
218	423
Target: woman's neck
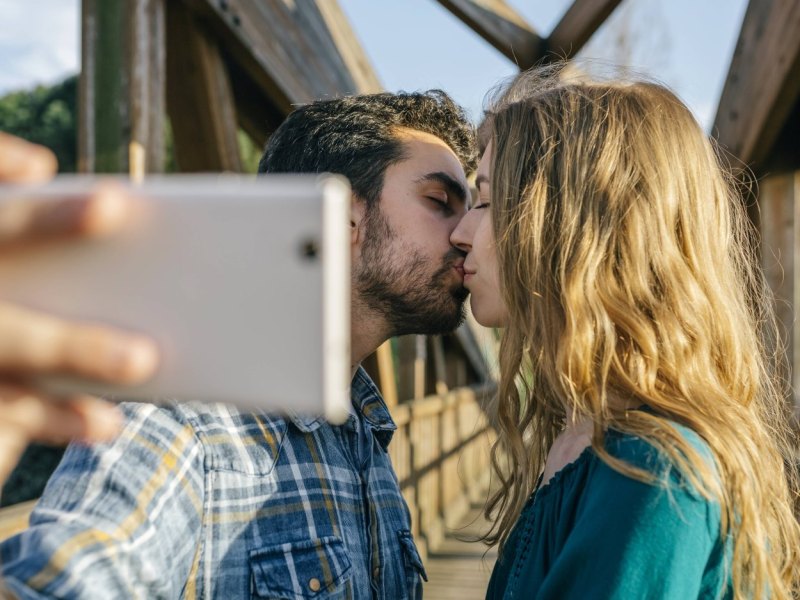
567	446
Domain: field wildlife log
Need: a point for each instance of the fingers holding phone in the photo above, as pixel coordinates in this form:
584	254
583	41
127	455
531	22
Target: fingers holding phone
23	162
34	343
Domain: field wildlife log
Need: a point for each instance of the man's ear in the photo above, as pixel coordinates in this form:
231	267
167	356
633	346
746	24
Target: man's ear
358	209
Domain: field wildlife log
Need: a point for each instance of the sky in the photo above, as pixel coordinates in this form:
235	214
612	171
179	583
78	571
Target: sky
417	44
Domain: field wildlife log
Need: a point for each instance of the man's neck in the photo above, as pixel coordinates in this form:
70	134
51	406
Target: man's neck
367	331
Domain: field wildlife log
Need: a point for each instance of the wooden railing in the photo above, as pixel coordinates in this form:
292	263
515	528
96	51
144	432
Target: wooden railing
441	455
440	452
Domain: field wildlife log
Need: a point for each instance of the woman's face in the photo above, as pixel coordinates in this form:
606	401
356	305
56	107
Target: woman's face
475	236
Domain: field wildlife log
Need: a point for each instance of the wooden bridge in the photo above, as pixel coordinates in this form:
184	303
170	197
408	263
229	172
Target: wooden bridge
223	69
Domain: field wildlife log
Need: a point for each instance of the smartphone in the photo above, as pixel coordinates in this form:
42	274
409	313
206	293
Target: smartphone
243	282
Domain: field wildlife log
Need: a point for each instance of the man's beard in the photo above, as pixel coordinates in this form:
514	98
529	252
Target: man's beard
411	300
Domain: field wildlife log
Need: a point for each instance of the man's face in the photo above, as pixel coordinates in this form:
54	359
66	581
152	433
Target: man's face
407	270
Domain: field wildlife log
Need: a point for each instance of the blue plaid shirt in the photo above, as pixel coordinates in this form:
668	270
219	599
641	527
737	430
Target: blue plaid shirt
204	501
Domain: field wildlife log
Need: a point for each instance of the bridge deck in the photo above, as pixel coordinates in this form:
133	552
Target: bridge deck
459	569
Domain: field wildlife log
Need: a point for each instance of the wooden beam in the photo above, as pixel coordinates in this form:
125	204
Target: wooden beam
501	26
577	26
199	97
258	117
351	51
286	48
121	88
763	81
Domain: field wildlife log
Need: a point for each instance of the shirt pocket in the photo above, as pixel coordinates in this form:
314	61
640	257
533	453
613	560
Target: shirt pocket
317	568
415	571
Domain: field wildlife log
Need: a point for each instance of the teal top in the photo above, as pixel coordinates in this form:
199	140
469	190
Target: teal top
595	533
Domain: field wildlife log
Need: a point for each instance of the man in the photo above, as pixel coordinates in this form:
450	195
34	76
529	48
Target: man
206	501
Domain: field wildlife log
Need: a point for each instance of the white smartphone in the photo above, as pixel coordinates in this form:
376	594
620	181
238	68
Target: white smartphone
243	282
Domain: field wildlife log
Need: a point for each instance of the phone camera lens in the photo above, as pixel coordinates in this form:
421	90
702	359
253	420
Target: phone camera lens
309	250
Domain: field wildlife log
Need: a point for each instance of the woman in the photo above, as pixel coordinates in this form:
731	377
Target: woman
639	415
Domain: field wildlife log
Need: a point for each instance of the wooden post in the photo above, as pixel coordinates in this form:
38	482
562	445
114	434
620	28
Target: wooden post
779	199
121	88
388	381
420	358
439	364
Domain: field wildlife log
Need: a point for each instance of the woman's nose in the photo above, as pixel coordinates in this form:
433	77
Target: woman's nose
462	235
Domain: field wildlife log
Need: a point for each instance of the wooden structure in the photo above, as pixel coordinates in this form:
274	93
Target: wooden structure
218	69
758	122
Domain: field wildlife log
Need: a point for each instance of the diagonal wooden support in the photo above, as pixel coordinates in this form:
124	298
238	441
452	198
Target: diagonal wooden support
287	48
763	83
501	26
199	97
577	25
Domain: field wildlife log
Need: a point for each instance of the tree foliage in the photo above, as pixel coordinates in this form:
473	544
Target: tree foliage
46	115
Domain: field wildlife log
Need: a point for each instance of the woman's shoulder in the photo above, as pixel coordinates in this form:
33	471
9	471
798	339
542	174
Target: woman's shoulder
673	460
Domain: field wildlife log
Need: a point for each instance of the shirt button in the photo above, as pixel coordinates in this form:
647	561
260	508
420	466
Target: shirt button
314	584
376	573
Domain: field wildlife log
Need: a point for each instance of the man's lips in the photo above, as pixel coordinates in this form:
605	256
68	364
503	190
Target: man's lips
459	267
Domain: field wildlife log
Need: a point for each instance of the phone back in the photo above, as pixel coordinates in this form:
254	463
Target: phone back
243	282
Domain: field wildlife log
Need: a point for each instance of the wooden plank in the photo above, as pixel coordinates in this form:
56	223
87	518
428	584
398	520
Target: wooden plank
102	145
406	346
794	339
420	358
578	25
285	47
779	199
387	379
763	82
147	86
502	26
199	97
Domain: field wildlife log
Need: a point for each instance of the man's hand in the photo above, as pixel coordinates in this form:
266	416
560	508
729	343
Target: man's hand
34	343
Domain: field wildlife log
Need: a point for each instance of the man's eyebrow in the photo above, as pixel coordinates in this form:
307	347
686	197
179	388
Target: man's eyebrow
453	186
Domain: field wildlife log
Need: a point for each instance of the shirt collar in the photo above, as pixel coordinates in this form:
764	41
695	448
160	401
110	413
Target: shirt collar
366	400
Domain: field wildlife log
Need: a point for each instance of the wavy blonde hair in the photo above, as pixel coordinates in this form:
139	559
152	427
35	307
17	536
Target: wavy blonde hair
629	270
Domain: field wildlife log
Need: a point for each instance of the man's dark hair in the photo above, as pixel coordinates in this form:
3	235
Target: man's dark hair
356	136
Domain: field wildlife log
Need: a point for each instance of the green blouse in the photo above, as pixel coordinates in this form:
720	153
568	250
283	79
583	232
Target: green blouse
595	533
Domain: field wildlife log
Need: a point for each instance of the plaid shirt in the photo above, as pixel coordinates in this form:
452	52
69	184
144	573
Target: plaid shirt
203	501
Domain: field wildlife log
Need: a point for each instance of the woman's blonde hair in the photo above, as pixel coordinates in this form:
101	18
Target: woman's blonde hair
629	269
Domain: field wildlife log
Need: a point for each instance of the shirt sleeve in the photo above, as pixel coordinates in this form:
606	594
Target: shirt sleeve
635	540
117	520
